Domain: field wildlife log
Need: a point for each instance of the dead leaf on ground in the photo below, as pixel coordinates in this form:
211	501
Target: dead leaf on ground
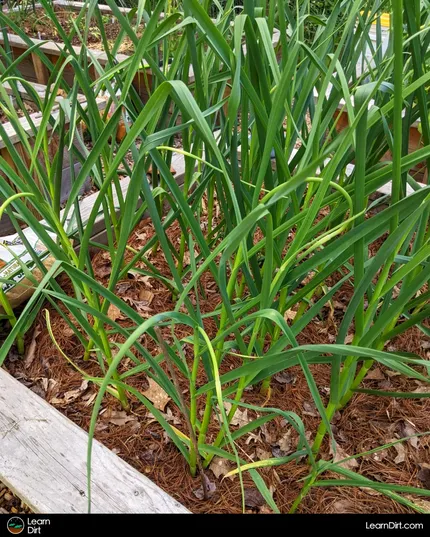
118	417
210	489
170	417
146	297
290	315
284	377
423	388
114	313
71	395
392	373
380	455
269	435
285	444
220	467
342	454
31	351
375	374
156	395
254	498
262	454
424	504
309	409
349	338
342	506
424	475
103	270
240	417
406	429
401	452
48	384
90	399
252	438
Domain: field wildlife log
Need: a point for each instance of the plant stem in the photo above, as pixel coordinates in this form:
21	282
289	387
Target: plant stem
184	409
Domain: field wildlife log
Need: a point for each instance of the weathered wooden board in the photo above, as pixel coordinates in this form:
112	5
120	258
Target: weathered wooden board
43	460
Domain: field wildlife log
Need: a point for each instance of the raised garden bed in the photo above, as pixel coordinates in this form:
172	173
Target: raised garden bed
31	130
419	172
273	325
33	69
142	443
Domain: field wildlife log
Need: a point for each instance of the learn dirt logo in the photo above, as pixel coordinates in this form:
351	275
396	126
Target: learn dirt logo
15	525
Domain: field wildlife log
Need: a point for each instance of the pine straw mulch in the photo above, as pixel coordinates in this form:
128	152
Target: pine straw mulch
9	503
366	423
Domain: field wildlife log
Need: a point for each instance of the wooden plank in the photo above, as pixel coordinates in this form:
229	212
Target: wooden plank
43	461
42	74
40	89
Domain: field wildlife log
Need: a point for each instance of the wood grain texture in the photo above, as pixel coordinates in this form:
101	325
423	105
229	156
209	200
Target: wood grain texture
40	69
43	460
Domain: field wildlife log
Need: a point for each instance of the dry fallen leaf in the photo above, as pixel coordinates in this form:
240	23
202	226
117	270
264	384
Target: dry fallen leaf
424	475
401	452
380	455
240	417
103	270
269	434
114	313
220	467
146	297
91	399
284	377
309	409
210	489
342	454
169	416
71	395
285	444
290	315
424	388
370	492
406	429
349	339
424	504
31	351
156	395
342	506
118	417
253	438
375	374
262	454
253	498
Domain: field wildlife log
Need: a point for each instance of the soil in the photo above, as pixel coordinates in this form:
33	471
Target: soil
30	107
37	24
366	423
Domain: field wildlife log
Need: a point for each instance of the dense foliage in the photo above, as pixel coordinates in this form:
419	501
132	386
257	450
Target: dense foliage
298	212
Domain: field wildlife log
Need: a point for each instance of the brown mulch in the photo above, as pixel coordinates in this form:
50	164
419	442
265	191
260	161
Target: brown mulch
366	423
9	503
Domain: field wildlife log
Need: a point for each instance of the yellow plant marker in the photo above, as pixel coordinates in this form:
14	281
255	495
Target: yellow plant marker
385	19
